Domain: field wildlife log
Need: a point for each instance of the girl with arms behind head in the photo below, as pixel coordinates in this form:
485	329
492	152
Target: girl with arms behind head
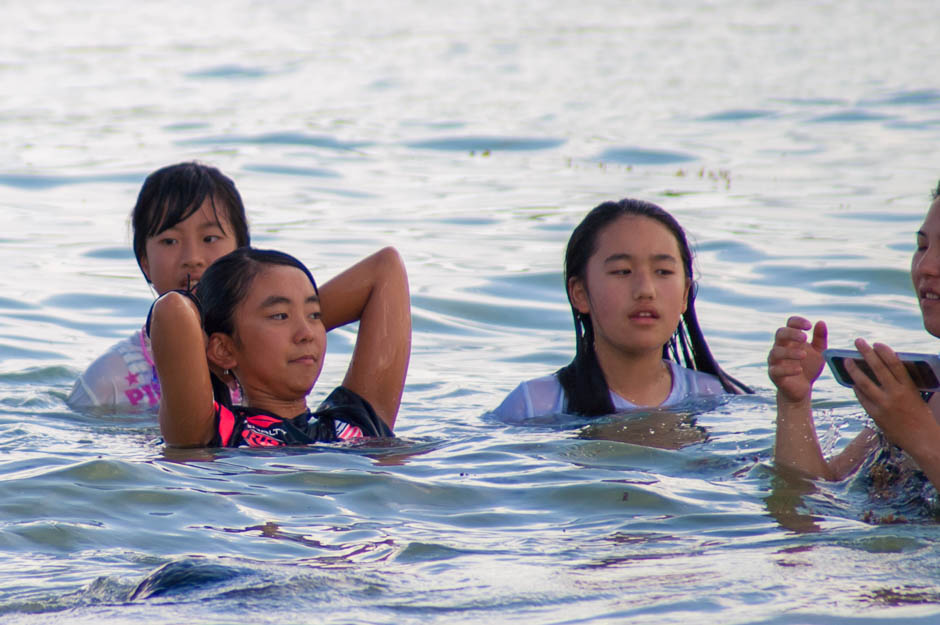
263	322
628	273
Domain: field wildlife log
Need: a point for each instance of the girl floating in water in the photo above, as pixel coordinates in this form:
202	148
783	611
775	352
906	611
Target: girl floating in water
186	216
262	322
628	272
895	404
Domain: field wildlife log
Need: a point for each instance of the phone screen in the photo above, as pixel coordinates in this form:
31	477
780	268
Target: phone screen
923	376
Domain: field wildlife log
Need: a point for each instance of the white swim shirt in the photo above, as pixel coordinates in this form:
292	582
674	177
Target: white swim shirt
545	395
123	379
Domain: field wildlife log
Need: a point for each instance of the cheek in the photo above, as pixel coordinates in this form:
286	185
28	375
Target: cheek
156	256
222	250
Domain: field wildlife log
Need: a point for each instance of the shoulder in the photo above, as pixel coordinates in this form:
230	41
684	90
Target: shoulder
688	383
532	398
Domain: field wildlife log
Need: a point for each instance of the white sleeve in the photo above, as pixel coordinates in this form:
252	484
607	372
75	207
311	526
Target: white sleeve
96	386
532	399
517	407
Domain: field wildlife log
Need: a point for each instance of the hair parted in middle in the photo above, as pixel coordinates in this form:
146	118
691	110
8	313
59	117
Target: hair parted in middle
583	379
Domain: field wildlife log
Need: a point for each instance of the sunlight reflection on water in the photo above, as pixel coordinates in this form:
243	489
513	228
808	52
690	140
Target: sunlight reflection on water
473	137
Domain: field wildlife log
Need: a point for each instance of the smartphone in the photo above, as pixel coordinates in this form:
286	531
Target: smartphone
924	369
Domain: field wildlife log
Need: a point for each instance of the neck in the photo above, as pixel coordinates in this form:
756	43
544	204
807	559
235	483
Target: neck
642	378
286	409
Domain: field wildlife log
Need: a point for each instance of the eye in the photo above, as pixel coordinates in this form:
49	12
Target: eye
211	238
316	315
166	241
281	316
665	272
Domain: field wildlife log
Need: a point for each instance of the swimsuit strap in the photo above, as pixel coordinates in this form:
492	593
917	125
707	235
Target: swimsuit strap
144	347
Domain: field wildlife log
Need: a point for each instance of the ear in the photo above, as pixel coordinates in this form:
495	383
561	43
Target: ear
145	266
220	351
685	296
577	293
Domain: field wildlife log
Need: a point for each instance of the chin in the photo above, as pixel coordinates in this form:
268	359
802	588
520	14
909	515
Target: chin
932	325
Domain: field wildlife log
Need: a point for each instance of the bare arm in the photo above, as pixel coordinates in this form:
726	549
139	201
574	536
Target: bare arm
187	417
374	292
793	366
796	445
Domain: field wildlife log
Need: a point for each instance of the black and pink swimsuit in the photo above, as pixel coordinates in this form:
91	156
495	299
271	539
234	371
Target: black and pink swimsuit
342	416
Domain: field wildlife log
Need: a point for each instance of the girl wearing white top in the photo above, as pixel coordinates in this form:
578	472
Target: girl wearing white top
628	272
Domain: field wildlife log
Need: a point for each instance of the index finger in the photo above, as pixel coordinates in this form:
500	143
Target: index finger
885	364
800	323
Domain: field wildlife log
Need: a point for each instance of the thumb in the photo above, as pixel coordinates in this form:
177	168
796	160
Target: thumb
820	336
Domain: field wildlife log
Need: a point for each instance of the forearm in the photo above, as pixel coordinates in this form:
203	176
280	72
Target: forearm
383	344
850	459
186	415
344	298
796	445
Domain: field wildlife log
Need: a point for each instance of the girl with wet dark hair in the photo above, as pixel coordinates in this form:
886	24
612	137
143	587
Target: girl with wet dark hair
186	216
258	315
628	273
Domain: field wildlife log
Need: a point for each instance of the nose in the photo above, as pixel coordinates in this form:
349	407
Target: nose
643	285
306	330
192	256
928	262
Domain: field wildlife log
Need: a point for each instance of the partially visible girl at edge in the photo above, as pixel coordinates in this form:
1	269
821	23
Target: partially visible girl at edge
628	273
896	406
186	216
262	321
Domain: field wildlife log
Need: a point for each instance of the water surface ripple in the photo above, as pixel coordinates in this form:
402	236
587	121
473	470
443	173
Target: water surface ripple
472	137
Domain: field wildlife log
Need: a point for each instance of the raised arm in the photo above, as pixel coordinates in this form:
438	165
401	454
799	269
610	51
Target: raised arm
794	365
187	416
374	292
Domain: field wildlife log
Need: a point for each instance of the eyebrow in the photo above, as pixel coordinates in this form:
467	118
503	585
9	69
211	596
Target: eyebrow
205	225
274	300
654	257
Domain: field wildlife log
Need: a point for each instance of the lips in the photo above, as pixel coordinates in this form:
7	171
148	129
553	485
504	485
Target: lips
928	295
307	359
189	282
640	315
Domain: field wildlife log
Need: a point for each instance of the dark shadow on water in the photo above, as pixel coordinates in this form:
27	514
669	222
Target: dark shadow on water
383	451
183	576
660	429
901	596
347	551
486	143
785	502
642	156
39	182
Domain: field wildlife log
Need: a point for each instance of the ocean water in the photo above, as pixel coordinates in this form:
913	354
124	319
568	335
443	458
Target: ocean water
796	142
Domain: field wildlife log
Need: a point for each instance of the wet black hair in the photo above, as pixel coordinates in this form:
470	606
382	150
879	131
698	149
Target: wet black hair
227	280
173	193
583	379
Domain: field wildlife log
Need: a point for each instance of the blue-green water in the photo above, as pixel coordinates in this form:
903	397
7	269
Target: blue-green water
796	142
